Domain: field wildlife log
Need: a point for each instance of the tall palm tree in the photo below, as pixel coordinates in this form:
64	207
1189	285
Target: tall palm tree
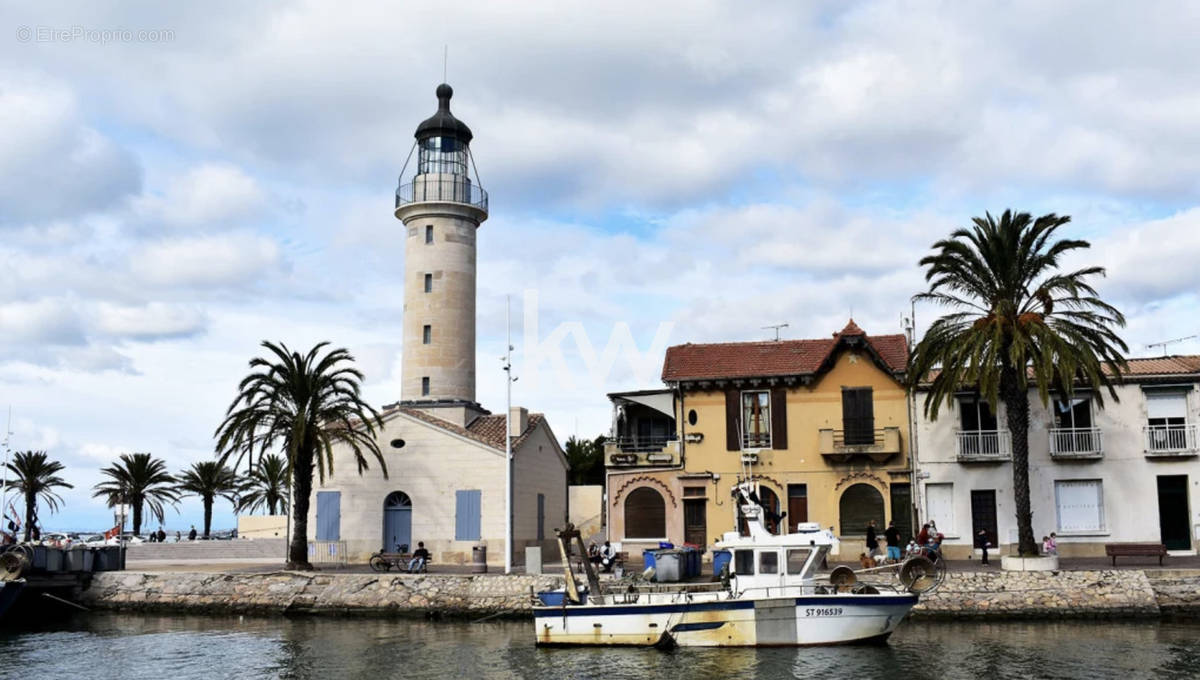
265	486
1016	317
141	481
209	479
305	404
36	477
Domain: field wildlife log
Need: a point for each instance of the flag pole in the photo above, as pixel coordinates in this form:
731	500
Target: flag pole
508	381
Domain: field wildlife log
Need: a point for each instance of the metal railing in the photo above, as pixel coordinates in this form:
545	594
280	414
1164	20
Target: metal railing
635	444
756	441
1073	442
442	188
873	437
327	552
984	445
1170	438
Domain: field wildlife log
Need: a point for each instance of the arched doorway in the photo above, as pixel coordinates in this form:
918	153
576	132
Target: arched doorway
769	501
860	504
397	521
645	514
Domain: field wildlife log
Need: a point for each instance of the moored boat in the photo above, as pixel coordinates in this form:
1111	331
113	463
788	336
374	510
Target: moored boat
770	594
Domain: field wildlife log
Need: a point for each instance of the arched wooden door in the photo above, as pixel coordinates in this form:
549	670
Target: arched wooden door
397	522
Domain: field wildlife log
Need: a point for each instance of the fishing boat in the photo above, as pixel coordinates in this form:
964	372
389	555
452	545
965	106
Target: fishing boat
769	594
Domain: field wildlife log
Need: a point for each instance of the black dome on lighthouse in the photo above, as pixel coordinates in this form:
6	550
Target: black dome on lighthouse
443	123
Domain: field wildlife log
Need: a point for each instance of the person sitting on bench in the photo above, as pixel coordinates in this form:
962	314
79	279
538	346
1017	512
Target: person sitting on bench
419	557
608	556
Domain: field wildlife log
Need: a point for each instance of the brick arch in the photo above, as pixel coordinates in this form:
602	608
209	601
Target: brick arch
861	478
643	480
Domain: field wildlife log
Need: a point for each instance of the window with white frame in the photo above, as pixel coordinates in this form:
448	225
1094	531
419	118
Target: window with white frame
939	506
756	420
1080	505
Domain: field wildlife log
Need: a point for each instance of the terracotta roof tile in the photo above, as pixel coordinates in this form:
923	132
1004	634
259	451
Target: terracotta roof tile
772	358
488	430
1170	365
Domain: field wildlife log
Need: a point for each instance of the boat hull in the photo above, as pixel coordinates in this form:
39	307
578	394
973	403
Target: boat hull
766	622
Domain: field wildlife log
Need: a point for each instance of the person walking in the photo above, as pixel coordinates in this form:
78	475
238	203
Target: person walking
982	542
892	534
872	538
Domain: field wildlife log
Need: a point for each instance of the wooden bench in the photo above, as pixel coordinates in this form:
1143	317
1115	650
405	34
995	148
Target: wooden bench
399	561
1115	550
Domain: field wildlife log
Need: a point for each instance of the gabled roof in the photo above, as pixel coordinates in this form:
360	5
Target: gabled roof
487	430
730	360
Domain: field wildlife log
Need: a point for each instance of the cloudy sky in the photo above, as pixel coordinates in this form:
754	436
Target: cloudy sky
182	181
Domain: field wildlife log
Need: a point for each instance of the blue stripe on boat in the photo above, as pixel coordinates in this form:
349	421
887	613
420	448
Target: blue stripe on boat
722	605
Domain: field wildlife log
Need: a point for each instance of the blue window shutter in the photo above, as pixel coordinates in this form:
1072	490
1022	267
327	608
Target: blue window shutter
329	515
541	519
467	513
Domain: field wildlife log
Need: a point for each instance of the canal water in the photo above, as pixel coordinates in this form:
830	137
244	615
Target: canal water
131	647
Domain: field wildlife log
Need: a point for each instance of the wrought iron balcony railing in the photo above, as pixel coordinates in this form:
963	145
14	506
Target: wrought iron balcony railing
1170	440
1076	442
984	445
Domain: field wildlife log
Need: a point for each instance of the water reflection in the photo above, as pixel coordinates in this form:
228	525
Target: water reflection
181	648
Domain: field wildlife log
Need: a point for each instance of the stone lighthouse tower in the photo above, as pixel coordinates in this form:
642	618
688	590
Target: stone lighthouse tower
441	208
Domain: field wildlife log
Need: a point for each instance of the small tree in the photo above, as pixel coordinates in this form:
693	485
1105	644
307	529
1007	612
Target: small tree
209	479
36	477
140	481
266	485
586	457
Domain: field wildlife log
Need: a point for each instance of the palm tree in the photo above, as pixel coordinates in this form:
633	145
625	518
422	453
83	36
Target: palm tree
305	405
209	479
138	480
1015	317
36	477
265	486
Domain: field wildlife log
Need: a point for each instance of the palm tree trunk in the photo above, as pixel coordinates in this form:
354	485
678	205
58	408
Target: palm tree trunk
298	550
208	503
137	517
1016	401
30	501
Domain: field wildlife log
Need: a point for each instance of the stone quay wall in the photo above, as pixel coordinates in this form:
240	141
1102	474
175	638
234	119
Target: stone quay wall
991	595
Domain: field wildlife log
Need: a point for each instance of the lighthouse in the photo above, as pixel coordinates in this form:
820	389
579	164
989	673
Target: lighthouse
441	209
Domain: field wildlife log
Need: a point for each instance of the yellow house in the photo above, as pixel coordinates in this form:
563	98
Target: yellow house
823	425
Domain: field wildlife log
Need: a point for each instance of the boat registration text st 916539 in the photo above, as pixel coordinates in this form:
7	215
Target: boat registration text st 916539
823	611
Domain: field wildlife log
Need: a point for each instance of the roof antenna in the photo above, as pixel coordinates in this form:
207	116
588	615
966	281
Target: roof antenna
776	327
445	58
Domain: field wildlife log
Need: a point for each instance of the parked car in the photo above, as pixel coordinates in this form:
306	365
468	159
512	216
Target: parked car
56	538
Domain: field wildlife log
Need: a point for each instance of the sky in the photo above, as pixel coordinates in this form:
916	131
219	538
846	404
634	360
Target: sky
185	180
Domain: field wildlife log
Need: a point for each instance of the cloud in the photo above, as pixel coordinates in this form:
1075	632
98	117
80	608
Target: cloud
154	321
41	322
210	261
54	164
212	195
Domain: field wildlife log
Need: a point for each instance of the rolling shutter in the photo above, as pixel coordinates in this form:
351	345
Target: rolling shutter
779	418
858	415
939	507
329	515
1080	505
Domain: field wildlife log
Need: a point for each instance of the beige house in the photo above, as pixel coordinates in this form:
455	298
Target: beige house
446	488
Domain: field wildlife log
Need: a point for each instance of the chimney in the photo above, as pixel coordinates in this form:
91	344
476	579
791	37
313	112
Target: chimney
518	421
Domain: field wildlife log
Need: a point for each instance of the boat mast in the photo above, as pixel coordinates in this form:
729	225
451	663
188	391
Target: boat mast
4	485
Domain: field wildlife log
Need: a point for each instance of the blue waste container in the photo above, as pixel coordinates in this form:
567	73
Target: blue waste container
721	559
648	559
665	545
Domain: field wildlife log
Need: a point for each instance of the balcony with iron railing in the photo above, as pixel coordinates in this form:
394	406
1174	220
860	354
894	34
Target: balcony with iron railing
628	451
878	444
442	188
1170	440
1076	443
983	446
